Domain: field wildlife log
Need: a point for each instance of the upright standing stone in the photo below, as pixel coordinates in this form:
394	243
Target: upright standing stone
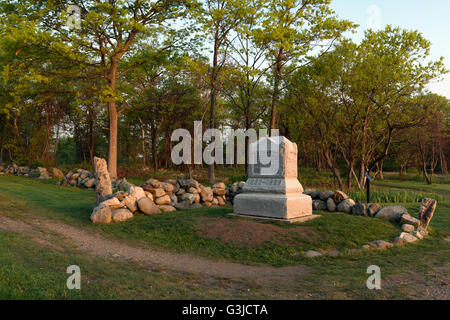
103	181
273	190
426	212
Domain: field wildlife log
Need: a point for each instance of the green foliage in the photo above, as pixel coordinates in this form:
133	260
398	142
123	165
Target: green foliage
66	152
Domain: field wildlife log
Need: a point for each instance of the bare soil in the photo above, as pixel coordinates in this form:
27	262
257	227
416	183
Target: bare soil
43	230
251	233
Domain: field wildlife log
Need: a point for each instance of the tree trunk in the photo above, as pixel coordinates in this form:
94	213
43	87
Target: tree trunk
212	115
276	92
333	169
2	143
113	123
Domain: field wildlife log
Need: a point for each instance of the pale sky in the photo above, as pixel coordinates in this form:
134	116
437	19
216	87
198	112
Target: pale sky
431	18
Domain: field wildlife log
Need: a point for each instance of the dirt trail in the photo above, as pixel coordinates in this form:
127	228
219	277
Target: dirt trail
152	258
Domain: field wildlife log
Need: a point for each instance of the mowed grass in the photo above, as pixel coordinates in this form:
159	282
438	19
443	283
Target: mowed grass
179	231
30	271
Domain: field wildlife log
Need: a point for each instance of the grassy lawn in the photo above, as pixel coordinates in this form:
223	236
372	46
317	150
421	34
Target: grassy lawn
29	267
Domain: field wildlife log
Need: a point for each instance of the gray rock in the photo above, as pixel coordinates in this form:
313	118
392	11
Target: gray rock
407	237
417	234
312	254
195	206
103	181
147	206
331	205
359	209
137	192
407	219
58	173
43	173
381	244
182	205
90	183
130	202
407	228
167	208
426	211
319	205
423	231
392	213
325	195
372	209
340	196
346	206
187	183
189	196
154	183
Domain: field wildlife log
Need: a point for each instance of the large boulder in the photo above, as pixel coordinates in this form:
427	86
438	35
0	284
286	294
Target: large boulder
103	181
167	187
340	196
331	205
408	228
189	197
147	206
372	209
58	173
392	213
130	202
182	205
407	219
120	215
407	237
426	212
206	194
187	183
166	208
101	215
43	173
137	192
90	183
164	200
346	206
154	183
325	195
359	209
319	205
113	203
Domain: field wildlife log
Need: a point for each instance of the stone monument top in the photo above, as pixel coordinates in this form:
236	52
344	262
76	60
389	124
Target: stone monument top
272	189
273	166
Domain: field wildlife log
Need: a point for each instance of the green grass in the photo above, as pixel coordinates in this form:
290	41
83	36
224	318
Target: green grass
394	196
27	271
178	231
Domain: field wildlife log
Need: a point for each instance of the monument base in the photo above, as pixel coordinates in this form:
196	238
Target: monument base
296	220
273	206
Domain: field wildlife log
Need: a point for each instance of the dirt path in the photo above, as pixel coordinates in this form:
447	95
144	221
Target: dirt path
154	259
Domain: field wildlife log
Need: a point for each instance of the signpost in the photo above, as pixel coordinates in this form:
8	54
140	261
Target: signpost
369	179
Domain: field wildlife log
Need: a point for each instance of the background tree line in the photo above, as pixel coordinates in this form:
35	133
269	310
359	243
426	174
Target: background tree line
136	70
